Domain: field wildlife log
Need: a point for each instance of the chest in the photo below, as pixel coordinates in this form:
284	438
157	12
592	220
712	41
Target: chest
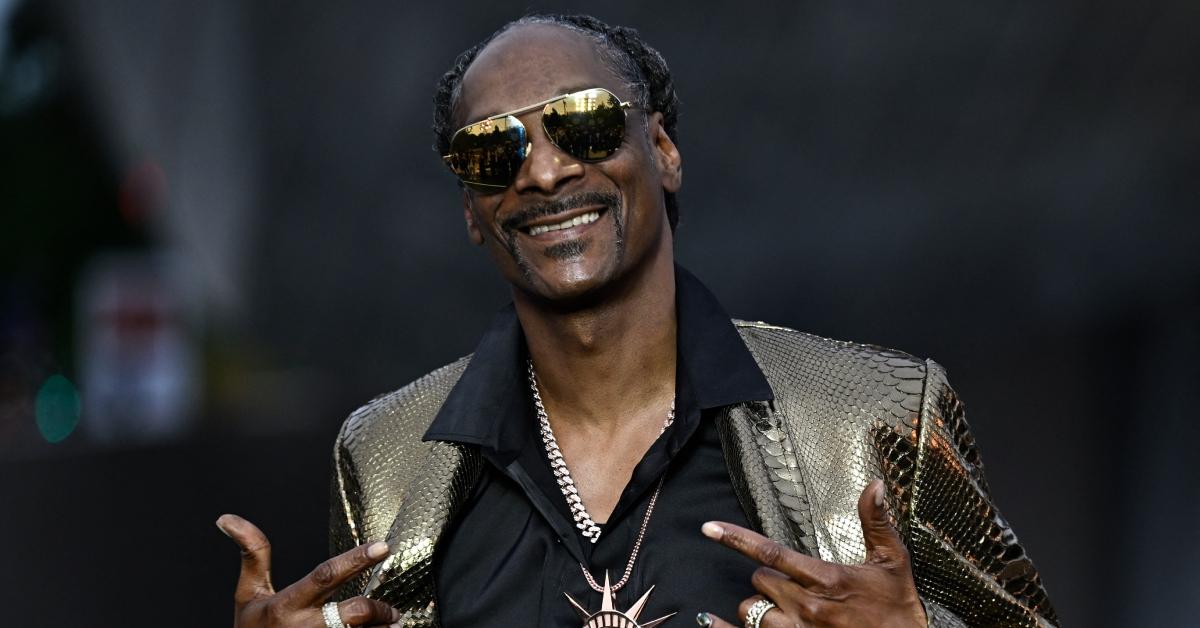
599	467
506	561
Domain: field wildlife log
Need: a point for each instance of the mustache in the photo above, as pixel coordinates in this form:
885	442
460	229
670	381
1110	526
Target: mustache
558	206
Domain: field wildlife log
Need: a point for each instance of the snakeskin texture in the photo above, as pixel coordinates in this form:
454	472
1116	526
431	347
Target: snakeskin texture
755	441
965	555
846	413
389	485
843	414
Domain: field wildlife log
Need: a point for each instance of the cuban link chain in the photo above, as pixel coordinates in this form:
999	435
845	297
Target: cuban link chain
583	521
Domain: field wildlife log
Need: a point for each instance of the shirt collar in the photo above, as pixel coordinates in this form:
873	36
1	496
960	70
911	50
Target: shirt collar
490	403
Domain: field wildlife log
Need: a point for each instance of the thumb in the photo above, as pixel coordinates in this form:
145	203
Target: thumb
882	540
255	579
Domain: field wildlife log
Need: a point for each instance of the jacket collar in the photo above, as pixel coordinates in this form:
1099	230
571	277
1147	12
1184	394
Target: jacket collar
478	414
489	405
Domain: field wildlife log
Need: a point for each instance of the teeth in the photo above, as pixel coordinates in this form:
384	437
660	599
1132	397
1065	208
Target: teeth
587	218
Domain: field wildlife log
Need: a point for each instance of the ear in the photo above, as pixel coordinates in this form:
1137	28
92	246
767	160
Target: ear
473	232
666	154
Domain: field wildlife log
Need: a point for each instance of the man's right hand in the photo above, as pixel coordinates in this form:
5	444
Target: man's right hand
258	605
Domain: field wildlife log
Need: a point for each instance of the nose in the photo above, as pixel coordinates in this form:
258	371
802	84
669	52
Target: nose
546	168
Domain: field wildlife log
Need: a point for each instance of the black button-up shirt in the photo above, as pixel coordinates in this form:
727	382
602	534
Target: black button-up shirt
513	550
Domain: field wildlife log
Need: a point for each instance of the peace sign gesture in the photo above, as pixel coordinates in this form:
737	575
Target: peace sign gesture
258	605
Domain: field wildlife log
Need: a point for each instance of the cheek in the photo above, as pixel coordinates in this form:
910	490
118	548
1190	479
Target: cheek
484	209
495	239
642	190
643	171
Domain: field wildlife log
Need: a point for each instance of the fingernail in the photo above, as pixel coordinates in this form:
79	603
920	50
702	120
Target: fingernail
712	531
377	550
704	620
222	529
879	496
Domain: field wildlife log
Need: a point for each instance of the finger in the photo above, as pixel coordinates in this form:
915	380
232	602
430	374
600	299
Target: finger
794	604
255	578
882	540
777	587
773	618
707	620
363	611
744	608
318	585
802	568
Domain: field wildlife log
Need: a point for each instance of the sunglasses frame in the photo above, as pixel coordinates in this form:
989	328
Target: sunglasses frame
489	187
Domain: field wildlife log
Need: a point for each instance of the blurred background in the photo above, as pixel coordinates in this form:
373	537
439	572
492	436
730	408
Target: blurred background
222	228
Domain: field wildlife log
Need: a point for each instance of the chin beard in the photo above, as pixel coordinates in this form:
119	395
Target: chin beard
566	250
572	248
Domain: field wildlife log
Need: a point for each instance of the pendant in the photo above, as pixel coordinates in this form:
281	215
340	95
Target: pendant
609	617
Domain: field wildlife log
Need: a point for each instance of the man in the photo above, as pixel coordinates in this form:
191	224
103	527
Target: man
617	452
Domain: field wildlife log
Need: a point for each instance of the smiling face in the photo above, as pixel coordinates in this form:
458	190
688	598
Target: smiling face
566	229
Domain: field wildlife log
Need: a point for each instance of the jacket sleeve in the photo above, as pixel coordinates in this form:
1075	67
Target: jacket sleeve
969	568
345	512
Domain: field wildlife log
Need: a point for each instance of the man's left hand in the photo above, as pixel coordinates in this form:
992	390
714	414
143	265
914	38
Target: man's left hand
808	591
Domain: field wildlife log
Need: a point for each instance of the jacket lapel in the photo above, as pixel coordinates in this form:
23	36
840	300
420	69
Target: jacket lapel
766	474
449	474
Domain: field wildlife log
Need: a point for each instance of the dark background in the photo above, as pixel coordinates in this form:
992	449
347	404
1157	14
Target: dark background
1007	188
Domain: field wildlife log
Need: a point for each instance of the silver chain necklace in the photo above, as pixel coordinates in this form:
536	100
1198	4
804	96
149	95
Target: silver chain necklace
583	521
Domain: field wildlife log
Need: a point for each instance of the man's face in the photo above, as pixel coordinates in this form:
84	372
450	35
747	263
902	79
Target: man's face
530	64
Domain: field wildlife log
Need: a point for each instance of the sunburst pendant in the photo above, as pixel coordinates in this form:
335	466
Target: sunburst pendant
609	617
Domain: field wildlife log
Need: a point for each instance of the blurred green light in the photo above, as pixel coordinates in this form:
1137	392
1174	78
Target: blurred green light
57	408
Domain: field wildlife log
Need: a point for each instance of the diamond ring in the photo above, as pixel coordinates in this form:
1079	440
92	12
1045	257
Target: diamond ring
333	619
754	616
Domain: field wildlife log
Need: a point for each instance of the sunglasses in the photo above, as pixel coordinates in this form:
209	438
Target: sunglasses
588	125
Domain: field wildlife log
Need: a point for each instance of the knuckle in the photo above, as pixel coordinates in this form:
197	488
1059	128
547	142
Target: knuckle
760	578
356	610
831	581
276	614
892	558
770	553
253	551
811	609
831	590
249	608
324	574
362	610
384	612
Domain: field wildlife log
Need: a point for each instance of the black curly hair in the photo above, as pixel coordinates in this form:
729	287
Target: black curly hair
642	68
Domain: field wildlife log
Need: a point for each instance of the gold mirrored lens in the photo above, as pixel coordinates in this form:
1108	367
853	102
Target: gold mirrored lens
488	153
588	125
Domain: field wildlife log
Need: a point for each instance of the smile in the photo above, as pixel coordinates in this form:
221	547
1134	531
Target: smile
582	219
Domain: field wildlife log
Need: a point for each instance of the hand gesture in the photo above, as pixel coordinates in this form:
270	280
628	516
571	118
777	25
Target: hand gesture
799	590
258	605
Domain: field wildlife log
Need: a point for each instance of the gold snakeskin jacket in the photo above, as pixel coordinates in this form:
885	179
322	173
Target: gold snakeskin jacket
843	414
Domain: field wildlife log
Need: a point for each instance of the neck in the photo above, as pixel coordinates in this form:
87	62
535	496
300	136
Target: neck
608	362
